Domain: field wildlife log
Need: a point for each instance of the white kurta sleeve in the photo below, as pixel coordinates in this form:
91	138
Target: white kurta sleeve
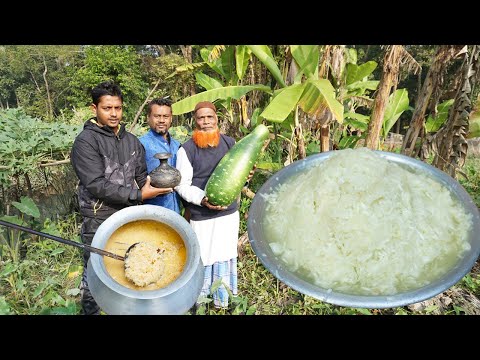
192	194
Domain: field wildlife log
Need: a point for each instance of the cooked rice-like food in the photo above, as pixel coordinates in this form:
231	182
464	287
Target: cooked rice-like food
144	264
360	224
156	233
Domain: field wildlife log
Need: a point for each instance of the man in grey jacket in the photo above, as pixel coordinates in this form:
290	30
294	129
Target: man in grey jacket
110	164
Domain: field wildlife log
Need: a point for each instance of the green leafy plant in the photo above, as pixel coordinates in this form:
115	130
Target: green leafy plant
433	123
45	280
26	143
11	239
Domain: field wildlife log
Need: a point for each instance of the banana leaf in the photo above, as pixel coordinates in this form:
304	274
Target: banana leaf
307	57
432	124
242	58
207	82
318	95
283	104
359	72
263	53
397	104
235	92
224	65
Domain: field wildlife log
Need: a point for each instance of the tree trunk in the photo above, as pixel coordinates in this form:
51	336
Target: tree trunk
450	139
187	54
325	138
29	185
16	195
391	64
160	49
137	115
300	142
432	82
298	132
243	111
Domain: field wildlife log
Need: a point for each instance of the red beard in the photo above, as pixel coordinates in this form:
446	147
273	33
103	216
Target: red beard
204	139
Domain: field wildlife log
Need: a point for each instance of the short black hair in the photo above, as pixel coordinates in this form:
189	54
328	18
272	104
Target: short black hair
105	88
159	102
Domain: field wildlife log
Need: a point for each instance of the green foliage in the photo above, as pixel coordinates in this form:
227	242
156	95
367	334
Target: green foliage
11	239
357	121
223	65
472	182
180	133
4	307
25	142
307	57
121	64
263	53
474	129
207	82
472	283
350	141
320	93
35	77
27	207
359	73
313	95
242	58
360	87
235	92
46	280
245	203
160	68
283	103
397	104
353	90
433	124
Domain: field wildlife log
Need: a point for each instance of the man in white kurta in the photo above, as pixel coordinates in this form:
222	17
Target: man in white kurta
216	227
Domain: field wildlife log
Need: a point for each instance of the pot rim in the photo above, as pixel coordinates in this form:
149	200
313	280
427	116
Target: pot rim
146	212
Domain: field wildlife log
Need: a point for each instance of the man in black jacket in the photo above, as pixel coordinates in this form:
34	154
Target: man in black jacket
110	164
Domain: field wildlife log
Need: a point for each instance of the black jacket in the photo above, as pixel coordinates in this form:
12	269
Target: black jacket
107	166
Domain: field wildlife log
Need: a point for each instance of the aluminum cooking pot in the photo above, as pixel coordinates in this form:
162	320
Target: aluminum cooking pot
260	244
174	299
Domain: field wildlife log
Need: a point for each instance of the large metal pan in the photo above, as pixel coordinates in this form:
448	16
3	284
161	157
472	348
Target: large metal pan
259	241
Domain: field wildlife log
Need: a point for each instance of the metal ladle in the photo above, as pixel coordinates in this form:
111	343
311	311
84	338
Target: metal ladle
68	242
73	243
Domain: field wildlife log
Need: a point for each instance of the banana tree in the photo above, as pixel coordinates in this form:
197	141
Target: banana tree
353	88
230	63
434	122
396	104
314	95
308	92
434	79
449	143
474	130
395	55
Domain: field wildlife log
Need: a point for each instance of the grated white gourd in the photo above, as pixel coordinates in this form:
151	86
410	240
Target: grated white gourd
360	224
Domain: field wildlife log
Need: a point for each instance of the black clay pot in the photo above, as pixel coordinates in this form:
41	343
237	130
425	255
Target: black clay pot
164	176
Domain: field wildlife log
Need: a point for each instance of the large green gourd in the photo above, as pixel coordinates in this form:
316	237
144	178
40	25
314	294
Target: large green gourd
228	178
